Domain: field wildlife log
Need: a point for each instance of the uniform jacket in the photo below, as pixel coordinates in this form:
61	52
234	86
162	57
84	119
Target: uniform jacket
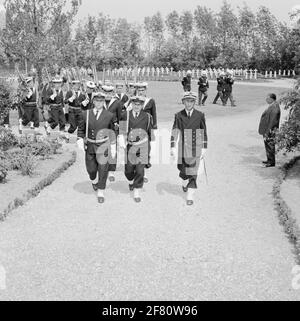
115	107
221	83
90	104
270	119
46	92
58	100
138	128
229	82
97	128
203	84
77	101
32	101
187	83
192	133
150	108
123	98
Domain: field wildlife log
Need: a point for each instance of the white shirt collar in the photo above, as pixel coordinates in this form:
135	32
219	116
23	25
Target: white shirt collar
191	112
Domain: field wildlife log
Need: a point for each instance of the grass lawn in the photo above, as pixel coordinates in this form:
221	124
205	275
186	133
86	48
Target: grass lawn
168	100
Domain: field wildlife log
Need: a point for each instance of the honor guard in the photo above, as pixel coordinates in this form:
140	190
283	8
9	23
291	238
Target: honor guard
88	102
120	94
149	106
114	106
220	88
187	81
55	101
203	88
74	98
228	83
139	125
97	137
30	109
190	135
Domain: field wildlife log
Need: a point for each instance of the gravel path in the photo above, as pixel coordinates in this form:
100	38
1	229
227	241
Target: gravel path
229	246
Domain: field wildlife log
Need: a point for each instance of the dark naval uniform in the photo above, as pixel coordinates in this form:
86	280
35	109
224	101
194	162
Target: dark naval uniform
138	138
229	82
220	89
123	98
187	83
115	107
100	136
56	112
30	110
202	90
90	104
75	111
192	135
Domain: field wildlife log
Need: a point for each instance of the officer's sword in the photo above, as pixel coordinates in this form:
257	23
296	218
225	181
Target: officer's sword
205	170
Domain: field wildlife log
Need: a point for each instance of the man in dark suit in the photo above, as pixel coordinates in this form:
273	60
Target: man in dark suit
269	123
220	88
187	81
137	131
203	88
228	84
97	137
189	132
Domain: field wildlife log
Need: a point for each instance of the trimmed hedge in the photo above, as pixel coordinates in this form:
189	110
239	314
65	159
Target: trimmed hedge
285	214
35	191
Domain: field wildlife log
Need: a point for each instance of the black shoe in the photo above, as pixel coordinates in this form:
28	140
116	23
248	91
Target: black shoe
131	188
233	106
185	189
146	180
214	103
137	199
95	187
265	162
101	200
189	203
269	165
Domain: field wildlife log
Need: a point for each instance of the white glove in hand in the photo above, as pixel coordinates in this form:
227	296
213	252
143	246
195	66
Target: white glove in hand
30	93
113	150
80	144
85	102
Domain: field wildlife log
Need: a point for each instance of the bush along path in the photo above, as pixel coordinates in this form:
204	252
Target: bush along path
286	218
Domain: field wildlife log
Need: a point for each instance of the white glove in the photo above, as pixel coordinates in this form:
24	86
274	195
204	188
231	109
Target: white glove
113	150
53	95
71	99
204	151
85	102
30	93
122	142
80	144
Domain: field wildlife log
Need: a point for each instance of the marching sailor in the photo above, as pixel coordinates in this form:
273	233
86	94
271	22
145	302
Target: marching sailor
74	98
203	88
97	137
149	106
189	132
114	106
220	88
55	100
139	125
30	109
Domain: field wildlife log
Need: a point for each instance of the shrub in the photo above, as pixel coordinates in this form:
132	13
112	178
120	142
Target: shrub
3	167
27	163
7	139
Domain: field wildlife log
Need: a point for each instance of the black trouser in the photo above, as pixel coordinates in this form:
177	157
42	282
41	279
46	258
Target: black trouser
270	149
188	170
31	114
57	117
75	115
228	95
96	161
202	93
137	159
219	95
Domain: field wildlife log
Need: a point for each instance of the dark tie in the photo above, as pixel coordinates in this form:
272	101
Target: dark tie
136	115
189	115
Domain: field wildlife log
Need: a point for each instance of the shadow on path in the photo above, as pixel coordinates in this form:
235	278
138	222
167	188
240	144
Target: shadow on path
169	188
84	188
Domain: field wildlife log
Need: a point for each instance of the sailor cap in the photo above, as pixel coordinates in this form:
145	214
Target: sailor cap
189	95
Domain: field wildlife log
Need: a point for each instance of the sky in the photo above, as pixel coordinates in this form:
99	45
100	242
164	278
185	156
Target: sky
136	10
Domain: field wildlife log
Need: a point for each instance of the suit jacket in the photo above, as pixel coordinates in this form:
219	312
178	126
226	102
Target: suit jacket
221	83
115	107
150	108
270	119
58	100
138	128
203	84
195	137
98	128
123	98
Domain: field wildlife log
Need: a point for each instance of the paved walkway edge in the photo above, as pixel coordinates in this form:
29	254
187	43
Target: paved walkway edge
35	191
285	215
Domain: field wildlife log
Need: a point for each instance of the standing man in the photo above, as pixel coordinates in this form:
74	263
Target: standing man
30	109
139	125
114	106
149	107
269	123
187	81
56	104
203	88
189	132
120	94
229	82
220	88
97	137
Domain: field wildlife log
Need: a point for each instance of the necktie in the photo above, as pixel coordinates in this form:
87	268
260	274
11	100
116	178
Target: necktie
189	115
136	115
